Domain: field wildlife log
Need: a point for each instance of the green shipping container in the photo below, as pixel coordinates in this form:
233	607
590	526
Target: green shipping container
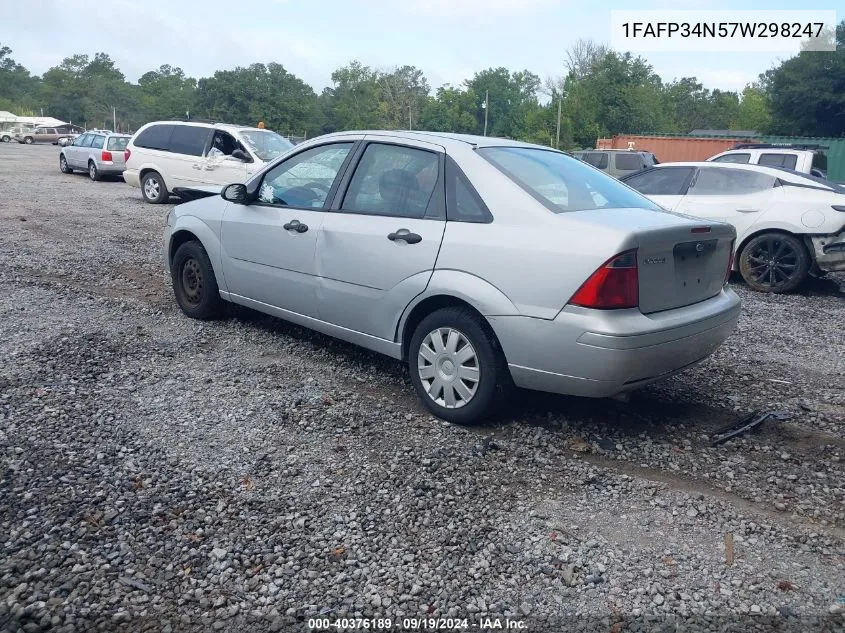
835	151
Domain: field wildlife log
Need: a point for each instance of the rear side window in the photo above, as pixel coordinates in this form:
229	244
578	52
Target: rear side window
596	159
733	158
665	181
629	162
392	180
97	141
155	137
117	143
83	141
820	161
715	181
189	140
463	204
778	160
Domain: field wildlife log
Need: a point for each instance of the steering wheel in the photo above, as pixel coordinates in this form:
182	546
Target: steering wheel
316	184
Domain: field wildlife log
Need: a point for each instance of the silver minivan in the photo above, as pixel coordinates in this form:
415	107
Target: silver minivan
99	154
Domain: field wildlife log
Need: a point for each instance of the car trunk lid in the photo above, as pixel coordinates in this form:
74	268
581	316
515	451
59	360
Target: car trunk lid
681	260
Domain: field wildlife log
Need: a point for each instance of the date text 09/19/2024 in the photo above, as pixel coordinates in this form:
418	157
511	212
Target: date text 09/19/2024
416	624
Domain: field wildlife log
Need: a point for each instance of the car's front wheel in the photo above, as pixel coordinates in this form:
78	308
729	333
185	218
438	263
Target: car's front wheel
774	262
6	138
194	283
63	166
456	366
153	188
28	140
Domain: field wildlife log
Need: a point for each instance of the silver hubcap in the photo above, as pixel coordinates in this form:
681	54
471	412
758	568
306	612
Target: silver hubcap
92	170
448	368
151	188
63	163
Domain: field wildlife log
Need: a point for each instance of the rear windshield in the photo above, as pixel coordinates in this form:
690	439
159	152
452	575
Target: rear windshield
629	162
561	182
118	142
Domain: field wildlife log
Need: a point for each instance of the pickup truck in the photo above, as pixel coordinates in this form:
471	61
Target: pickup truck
806	159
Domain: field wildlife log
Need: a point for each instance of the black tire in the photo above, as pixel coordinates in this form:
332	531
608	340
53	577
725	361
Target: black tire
774	262
6	138
494	381
28	140
153	188
63	166
93	172
194	283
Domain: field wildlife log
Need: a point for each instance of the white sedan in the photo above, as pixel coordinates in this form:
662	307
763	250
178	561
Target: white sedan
788	224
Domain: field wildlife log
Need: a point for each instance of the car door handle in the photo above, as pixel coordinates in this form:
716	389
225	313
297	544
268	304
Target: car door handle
296	225
748	210
197	166
406	236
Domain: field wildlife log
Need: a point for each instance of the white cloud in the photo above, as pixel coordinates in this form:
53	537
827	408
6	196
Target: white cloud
474	8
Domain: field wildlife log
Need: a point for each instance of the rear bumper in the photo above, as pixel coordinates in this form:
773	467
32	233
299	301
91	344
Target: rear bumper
828	251
110	168
132	178
599	353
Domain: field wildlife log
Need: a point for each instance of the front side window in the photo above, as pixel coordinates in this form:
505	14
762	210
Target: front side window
304	180
97	141
83	141
562	183
664	181
629	162
778	160
392	180
715	181
733	158
223	144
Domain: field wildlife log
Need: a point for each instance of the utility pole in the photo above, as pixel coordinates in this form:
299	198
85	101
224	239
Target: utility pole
557	143
114	118
410	122
486	109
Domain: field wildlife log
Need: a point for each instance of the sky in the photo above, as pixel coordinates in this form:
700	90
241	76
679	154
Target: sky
449	40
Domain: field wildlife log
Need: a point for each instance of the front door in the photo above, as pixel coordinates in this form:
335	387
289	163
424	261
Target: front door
268	245
379	244
218	167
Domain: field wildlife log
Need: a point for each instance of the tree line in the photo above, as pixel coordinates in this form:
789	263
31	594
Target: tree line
601	92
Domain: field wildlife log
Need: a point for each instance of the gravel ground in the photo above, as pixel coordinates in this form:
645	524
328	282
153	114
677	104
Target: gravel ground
163	474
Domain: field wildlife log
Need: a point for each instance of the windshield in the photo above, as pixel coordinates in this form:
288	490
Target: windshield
563	183
266	144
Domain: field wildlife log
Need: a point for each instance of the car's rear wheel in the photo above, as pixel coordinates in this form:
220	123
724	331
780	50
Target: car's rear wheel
153	188
6	138
774	262
456	366
93	172
194	283
63	166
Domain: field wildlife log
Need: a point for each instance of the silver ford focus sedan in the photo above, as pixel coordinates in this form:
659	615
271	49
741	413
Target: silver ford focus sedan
483	263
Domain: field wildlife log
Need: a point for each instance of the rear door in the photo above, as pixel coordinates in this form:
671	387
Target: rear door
379	244
187	145
664	185
77	153
737	196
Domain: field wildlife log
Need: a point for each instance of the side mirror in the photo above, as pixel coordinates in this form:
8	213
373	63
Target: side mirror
241	155
235	193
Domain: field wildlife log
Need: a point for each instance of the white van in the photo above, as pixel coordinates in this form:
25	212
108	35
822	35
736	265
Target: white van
166	156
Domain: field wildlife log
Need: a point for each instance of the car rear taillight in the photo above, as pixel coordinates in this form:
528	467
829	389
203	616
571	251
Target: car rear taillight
126	155
105	156
614	285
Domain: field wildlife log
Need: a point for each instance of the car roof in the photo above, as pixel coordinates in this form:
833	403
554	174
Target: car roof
446	139
777	172
623	151
766	150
